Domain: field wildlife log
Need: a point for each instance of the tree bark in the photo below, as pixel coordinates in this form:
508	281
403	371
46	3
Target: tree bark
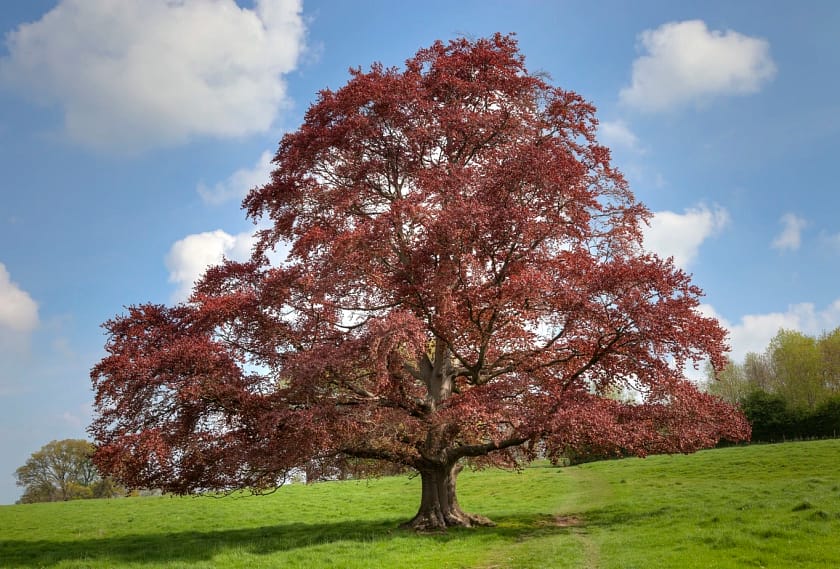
439	507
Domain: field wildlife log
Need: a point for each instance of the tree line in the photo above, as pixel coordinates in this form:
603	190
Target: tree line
790	391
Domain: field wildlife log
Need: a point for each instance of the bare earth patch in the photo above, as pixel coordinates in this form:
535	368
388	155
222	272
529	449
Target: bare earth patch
567	521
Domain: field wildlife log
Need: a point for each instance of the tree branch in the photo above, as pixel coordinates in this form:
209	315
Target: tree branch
457	453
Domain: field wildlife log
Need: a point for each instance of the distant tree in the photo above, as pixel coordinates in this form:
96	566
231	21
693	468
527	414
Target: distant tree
63	470
770	417
466	284
106	488
758	372
797	369
829	347
825	420
730	383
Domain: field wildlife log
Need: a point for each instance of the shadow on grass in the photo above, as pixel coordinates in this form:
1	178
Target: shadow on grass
201	546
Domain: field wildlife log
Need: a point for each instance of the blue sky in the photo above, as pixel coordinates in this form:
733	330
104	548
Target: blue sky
130	131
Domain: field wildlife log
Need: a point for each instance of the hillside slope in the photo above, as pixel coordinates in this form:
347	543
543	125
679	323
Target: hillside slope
757	506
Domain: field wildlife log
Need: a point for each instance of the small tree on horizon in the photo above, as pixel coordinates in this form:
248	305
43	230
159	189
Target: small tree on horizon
465	285
63	470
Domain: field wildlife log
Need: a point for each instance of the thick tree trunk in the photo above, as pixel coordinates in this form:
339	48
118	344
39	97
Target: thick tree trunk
439	507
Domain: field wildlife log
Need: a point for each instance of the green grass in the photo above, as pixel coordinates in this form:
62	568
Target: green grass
758	506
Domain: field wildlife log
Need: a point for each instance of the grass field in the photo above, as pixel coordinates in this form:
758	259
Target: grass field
759	506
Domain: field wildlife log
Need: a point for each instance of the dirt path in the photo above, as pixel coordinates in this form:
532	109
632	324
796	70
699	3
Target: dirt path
578	530
590	491
591	553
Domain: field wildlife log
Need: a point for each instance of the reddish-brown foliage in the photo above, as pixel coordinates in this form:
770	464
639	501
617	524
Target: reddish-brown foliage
465	281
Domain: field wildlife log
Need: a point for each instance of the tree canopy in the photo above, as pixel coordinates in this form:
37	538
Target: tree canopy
464	283
63	470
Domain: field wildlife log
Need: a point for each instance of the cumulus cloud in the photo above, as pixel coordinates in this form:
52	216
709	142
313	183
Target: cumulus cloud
18	312
790	239
238	184
753	332
141	73
679	235
189	257
618	134
685	62
18	320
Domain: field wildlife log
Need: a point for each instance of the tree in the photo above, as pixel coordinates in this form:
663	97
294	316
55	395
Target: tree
797	368
770	417
464	284
730	383
63	470
825	421
829	346
758	371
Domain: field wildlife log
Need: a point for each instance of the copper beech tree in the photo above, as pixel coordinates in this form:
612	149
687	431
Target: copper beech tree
464	284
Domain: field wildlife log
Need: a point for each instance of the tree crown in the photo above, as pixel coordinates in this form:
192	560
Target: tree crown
465	279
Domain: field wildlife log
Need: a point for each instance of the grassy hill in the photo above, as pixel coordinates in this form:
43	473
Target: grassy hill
758	506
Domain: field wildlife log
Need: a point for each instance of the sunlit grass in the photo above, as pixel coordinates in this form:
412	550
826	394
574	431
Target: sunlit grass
759	506
341	524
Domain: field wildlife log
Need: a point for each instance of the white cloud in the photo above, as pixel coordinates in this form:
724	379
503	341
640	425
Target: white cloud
238	184
685	63
680	235
754	331
18	320
191	256
18	312
618	134
790	239
140	73
78	418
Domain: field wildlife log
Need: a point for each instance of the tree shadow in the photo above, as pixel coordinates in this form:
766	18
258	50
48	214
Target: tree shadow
203	546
